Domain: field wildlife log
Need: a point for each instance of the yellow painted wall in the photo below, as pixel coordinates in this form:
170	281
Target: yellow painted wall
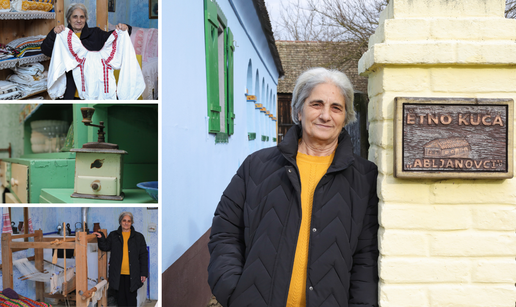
442	242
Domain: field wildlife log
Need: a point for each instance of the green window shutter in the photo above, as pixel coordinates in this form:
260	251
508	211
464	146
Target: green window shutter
211	25
229	80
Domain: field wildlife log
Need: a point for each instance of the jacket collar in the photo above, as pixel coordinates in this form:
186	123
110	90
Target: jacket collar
119	230
343	154
86	31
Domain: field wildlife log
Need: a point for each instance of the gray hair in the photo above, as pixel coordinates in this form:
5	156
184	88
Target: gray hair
312	77
73	7
121	217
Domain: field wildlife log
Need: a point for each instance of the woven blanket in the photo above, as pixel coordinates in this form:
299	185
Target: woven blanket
22	302
24	42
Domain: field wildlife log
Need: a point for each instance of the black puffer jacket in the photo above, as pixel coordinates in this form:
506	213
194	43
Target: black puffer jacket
92	39
138	257
256	225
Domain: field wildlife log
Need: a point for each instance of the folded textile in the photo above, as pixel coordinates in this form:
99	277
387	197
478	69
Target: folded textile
5	52
7	87
28	73
6	56
32	5
5	5
24	42
27	80
6	91
4	83
29	51
12	96
30	69
27	88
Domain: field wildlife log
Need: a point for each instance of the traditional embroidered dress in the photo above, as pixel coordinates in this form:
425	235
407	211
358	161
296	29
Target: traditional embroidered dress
93	70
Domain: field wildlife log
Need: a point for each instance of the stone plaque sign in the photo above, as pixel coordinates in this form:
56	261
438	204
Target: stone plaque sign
453	138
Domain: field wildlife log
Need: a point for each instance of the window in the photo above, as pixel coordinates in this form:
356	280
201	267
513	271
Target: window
219	71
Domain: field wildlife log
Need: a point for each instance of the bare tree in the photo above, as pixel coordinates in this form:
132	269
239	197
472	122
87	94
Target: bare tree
330	21
298	23
510	9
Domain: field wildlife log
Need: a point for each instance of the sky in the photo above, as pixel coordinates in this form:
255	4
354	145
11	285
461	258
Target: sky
274	7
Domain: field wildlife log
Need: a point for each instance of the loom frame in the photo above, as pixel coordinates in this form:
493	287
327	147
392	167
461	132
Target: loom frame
79	244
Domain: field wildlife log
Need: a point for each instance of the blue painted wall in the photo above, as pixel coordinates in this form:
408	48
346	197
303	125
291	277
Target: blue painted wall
47	219
136	14
133	12
195	169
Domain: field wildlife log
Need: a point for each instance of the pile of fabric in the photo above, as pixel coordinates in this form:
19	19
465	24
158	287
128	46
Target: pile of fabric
29	78
25	46
5	6
26	5
5	53
9	91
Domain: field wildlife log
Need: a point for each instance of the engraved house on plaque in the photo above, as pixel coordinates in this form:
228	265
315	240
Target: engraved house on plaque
447	148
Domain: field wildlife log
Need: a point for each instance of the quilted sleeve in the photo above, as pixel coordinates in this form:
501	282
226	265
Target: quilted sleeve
226	246
47	46
105	243
143	257
364	274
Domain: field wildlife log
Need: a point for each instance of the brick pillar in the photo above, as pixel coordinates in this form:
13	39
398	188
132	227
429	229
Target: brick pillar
442	242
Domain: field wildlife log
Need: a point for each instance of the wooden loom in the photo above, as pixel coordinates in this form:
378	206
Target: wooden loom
78	243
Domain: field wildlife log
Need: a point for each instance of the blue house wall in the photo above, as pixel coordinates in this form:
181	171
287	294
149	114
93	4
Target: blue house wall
196	170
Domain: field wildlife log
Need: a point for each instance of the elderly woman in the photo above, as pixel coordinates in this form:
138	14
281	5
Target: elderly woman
297	225
128	265
92	39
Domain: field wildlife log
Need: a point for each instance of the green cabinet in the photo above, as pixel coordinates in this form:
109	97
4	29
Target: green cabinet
39	174
134	127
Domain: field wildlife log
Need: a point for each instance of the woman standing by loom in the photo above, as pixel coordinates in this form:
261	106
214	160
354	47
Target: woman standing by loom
128	267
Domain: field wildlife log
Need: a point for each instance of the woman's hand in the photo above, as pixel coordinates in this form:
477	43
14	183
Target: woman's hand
144	279
97	234
59	29
122	27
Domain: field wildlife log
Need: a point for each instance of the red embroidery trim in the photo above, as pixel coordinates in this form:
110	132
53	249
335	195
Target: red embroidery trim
81	61
105	63
105	69
113	51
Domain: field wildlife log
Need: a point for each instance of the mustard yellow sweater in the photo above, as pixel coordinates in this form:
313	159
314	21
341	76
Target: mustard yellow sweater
311	169
125	258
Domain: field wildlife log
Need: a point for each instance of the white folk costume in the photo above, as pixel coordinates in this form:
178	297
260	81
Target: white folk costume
93	70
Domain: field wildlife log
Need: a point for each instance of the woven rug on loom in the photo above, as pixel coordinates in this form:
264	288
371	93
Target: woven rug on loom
22	302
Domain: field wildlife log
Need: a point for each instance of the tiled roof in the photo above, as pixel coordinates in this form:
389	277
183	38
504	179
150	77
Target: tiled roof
297	56
263	15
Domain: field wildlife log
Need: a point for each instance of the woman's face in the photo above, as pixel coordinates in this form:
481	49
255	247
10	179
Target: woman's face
77	20
126	223
323	114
